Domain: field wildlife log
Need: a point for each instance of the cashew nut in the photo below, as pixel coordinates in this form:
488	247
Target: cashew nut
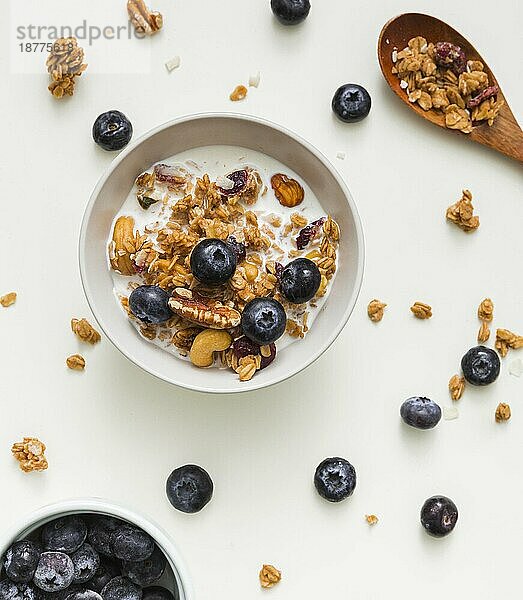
206	343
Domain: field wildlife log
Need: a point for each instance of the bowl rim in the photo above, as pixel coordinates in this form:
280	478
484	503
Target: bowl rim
44	514
328	341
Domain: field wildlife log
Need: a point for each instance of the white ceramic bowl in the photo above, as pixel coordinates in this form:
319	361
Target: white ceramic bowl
193	132
175	572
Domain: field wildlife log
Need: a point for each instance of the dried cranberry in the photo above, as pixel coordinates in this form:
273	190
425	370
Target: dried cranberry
484	95
243	347
451	56
278	270
308	233
240	182
238	248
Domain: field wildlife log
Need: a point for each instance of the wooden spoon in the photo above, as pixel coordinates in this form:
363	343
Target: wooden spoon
505	135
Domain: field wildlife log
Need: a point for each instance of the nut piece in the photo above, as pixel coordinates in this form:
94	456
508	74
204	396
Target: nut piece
123	246
371	519
502	412
144	20
269	576
486	310
206	343
239	93
288	191
483	333
375	310
85	331
505	339
421	310
76	362
30	454
456	387
204	311
8	299
461	213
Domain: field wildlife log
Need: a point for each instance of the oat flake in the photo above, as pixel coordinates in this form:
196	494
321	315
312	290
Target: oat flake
450	413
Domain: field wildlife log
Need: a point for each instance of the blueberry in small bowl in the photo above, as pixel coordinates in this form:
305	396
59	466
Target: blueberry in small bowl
351	103
481	365
420	412
112	131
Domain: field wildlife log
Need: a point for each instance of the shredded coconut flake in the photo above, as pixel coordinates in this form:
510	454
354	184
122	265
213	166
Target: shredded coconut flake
254	80
450	413
172	64
225	183
403	84
394	56
341	155
516	367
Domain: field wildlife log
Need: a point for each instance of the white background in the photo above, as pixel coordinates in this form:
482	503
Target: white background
115	432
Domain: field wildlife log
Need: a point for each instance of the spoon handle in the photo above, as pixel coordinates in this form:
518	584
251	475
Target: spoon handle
505	135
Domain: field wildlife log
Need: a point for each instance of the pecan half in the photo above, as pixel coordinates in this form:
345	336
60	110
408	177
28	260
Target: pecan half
144	20
204	311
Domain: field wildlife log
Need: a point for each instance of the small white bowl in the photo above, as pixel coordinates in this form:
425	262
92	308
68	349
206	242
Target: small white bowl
175	572
204	130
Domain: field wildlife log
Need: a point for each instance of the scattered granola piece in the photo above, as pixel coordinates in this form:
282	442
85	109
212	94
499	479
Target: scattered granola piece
502	412
76	362
375	310
173	63
450	413
239	93
486	310
30	454
456	387
254	80
505	339
484	332
269	576
516	367
144	20
461	213
64	63
8	299
371	519
85	331
421	310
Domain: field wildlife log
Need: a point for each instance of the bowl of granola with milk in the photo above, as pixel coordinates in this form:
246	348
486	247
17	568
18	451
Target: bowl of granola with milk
221	253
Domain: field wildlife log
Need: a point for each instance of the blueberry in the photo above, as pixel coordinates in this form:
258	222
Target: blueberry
480	365
121	588
55	572
83	594
420	412
150	304
112	130
66	534
107	570
131	543
351	103
145	572
156	592
335	479
189	488
9	590
21	560
300	280
86	562
439	516
213	262
100	533
290	12
263	320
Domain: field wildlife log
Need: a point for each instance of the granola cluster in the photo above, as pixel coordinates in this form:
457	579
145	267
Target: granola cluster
462	213
269	576
8	299
30	454
194	208
438	77
64	63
